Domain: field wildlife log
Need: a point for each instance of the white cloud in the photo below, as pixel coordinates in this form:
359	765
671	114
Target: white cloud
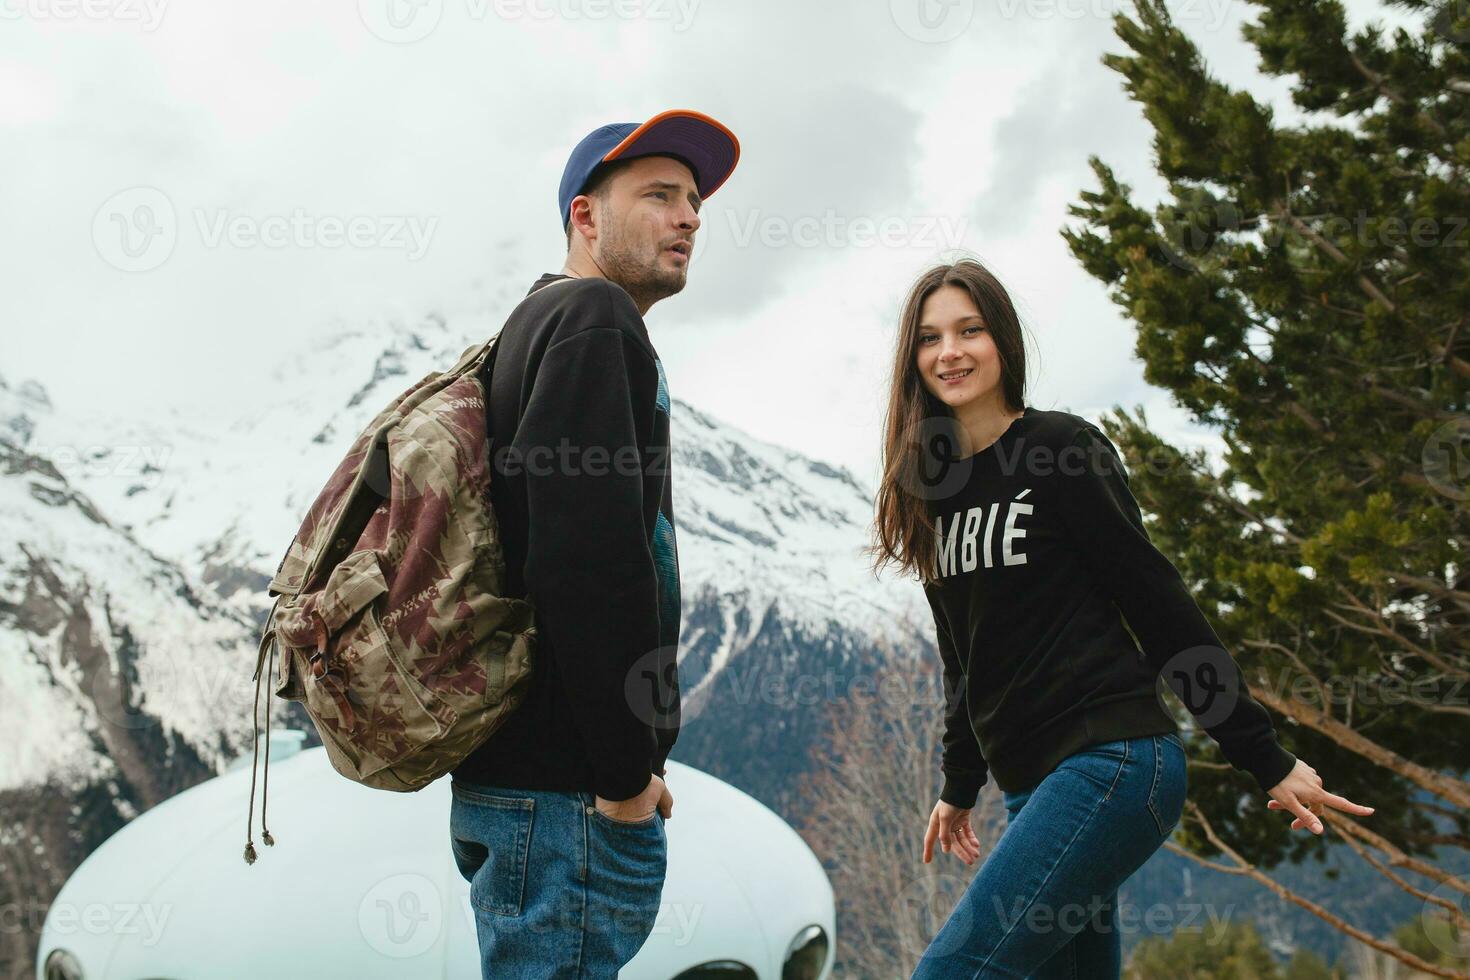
257	114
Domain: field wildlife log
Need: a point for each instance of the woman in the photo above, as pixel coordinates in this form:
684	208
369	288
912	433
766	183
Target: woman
1032	552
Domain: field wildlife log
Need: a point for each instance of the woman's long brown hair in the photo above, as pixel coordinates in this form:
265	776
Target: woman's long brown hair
915	424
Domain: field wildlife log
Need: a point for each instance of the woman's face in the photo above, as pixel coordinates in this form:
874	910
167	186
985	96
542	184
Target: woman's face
955	354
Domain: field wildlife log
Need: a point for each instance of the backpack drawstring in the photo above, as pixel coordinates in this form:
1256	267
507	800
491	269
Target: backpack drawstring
260	662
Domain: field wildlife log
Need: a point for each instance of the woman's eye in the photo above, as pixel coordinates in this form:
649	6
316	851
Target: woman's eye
926	338
977	329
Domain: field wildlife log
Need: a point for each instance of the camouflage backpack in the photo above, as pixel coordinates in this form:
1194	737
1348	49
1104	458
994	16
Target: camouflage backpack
389	617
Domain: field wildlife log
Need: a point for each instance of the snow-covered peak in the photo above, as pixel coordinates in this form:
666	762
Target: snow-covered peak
779	527
223	494
103	645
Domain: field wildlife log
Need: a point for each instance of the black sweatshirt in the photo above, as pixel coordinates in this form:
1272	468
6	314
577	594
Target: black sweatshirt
578	414
1042	554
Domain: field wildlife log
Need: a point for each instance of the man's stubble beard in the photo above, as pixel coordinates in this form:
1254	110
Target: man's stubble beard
642	278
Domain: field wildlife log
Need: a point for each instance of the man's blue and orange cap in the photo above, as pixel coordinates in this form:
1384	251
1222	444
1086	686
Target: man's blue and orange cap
709	149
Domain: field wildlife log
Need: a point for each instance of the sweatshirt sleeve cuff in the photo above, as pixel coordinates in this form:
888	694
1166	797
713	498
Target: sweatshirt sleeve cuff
1273	767
961	789
622	786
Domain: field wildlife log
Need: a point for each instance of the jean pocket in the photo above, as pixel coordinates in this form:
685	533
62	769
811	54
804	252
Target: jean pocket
1165	799
491	840
650	821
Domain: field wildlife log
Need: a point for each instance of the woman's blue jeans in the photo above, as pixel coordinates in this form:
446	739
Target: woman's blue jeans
560	891
1043	904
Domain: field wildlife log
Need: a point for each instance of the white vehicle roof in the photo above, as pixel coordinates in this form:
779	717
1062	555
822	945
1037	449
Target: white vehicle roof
361	884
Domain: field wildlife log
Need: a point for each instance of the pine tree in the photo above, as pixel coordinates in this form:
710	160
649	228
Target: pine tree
1304	291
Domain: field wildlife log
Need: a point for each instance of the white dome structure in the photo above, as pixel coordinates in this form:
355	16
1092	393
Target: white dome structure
362	884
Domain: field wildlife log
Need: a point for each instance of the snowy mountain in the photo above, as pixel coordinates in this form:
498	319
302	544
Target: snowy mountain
221	494
137	550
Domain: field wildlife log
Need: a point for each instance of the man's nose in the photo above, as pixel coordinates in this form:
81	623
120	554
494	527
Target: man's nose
689	220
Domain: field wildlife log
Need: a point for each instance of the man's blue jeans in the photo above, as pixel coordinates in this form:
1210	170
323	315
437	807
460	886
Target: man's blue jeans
1043	905
560	891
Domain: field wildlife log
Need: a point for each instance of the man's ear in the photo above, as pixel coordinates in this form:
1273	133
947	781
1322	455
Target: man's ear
583	219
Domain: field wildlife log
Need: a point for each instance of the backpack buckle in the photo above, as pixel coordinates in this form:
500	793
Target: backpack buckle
318	660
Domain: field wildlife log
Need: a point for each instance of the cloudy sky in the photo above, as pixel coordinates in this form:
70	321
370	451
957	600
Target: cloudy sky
186	186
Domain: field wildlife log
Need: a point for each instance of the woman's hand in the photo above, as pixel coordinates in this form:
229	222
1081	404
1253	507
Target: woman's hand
1301	792
951	826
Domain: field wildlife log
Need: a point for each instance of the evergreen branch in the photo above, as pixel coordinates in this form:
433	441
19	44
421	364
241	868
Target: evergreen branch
1398	879
1396	856
1249	870
1447	788
1376	80
1431	657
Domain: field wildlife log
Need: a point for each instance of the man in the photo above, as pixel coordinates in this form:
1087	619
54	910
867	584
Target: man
557	820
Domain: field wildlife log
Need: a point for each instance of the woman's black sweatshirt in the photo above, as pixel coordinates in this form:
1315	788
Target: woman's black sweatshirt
1042	553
